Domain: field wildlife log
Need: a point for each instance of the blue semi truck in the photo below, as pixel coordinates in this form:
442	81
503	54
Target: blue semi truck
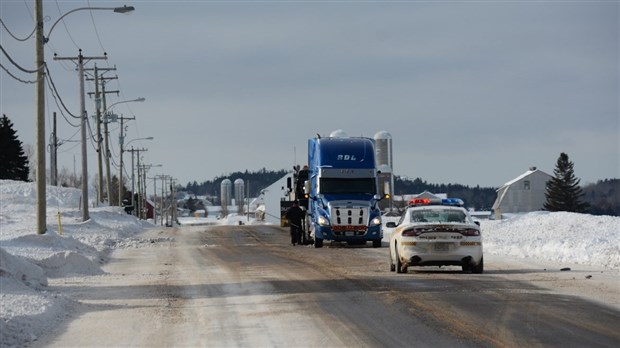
342	191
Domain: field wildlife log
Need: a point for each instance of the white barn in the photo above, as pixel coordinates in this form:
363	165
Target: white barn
272	195
523	194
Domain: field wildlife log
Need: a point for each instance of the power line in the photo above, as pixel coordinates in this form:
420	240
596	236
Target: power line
65	25
95	26
116	166
77	142
118	82
15	77
15	37
51	45
92	136
71	138
56	92
29	11
15	63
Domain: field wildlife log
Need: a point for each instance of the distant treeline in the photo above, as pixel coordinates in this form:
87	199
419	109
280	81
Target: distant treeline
257	181
603	196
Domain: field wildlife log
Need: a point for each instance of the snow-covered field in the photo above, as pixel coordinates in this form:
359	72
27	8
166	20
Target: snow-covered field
28	309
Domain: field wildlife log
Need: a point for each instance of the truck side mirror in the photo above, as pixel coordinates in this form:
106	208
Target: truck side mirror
289	183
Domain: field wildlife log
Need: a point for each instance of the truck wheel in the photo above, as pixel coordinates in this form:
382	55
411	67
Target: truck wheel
376	243
318	242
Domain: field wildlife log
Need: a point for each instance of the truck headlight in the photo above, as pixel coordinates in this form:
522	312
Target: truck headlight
375	222
323	221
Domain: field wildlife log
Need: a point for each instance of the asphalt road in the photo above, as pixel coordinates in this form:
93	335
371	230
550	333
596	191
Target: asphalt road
230	286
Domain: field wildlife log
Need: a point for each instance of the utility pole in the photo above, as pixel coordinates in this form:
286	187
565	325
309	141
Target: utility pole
142	197
144	207
39	63
171	208
133	193
84	118
54	154
106	120
168	206
173	213
133	183
98	121
154	199
161	204
98	102
121	140
161	199
139	188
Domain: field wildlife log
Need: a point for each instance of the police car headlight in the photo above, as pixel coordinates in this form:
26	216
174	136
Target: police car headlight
375	222
323	221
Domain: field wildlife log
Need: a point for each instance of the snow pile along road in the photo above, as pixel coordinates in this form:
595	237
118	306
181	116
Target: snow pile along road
561	237
27	260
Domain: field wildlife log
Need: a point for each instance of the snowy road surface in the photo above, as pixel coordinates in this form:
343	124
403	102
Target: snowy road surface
246	286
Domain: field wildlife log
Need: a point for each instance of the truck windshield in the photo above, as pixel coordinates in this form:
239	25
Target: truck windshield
339	185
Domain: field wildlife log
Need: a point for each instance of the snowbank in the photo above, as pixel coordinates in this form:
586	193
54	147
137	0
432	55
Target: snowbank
27	259
560	237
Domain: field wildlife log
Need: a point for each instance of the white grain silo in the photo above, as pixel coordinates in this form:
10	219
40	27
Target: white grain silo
226	191
384	163
239	195
383	149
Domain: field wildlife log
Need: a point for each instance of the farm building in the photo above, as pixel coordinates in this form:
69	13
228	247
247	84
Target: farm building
271	197
523	194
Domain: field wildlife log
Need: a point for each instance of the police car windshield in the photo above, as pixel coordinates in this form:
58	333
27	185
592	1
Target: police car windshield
338	185
438	215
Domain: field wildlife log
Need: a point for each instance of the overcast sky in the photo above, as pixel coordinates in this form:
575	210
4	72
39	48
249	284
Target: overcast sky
472	92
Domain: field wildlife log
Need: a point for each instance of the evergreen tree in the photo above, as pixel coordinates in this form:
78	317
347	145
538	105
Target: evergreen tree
13	161
562	191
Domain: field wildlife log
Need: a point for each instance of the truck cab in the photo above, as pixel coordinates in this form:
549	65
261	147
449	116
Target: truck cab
342	191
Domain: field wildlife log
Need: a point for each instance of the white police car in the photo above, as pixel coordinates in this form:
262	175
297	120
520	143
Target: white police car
436	232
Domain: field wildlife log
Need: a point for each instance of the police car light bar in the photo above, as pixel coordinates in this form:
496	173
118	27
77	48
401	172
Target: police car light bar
456	202
420	201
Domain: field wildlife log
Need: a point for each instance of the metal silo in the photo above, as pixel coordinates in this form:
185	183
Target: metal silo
383	149
384	163
239	195
225	189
